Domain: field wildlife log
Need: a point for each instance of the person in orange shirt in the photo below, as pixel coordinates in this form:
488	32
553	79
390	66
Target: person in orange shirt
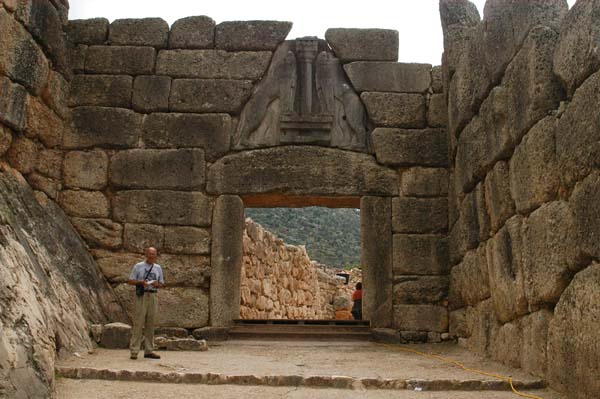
357	299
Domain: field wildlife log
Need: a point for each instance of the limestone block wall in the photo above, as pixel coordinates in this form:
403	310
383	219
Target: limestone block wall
279	281
522	88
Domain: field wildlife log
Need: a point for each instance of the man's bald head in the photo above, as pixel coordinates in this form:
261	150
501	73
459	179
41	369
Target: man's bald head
151	255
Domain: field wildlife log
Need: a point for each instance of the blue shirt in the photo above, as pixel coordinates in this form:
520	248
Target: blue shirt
141	269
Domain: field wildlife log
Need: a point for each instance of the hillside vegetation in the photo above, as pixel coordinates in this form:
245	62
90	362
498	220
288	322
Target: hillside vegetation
331	236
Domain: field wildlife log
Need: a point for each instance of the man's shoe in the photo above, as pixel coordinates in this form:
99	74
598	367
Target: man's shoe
133	356
152	356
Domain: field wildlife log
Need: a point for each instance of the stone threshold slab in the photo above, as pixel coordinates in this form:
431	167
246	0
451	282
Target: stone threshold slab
322	381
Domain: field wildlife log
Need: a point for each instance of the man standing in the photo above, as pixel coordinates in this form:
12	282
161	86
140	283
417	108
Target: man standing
147	277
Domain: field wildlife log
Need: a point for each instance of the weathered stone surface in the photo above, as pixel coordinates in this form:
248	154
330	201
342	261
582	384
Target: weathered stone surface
187	240
103	233
151	93
20	57
389	76
172	332
213	64
120	60
586	211
12	104
49	186
211	333
104	90
577	145
437	83
43	123
207	95
469	280
49	163
181	344
139	32
209	131
421	318
420	289
576	56
158	169
420	254
116	336
401	147
10	5
500	205
419	215
376	255
185	208
192	33
503	342
572	337
482	326
505	270
86	204
87	31
87	170
185	307
534	174
424	182
535	338
76	54
103	127
363	44
22	154
251	35
437	111
138	237
56	94
226	260
472	226
396	109
6	139
293	170
456	17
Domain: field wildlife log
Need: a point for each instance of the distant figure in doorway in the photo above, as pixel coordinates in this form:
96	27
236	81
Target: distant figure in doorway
357	299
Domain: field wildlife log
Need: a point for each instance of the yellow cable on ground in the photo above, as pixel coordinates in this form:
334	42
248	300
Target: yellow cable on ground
462	366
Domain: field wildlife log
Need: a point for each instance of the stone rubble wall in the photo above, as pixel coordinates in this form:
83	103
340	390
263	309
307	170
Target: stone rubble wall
522	89
279	281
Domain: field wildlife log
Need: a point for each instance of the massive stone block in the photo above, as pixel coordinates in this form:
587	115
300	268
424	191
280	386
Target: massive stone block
534	174
226	260
469	280
576	56
104	90
20	57
184	208
12	104
421	318
86	204
213	64
207	95
87	170
158	169
192	33
419	215
457	18
209	131
185	307
87	31
405	147
376	256
56	94
138	237
49	163
503	342
120	60
586	211
535	337
505	271
472	226
151	93
363	44
139	32
420	254
424	182
103	127
420	290
577	145
22	154
389	76
187	240
5	139
572	337
250	35
482	326
43	123
103	233
500	204
437	111
407	110
301	170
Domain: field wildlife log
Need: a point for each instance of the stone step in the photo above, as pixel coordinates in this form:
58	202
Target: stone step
320	381
300	331
311	322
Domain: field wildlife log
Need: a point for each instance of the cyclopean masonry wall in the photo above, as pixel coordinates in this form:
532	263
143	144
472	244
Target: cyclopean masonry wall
279	281
176	130
522	87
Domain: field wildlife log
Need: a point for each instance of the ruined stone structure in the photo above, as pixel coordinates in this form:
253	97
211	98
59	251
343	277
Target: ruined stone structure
148	134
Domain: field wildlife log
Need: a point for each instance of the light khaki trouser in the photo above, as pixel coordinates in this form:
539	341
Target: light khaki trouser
145	311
